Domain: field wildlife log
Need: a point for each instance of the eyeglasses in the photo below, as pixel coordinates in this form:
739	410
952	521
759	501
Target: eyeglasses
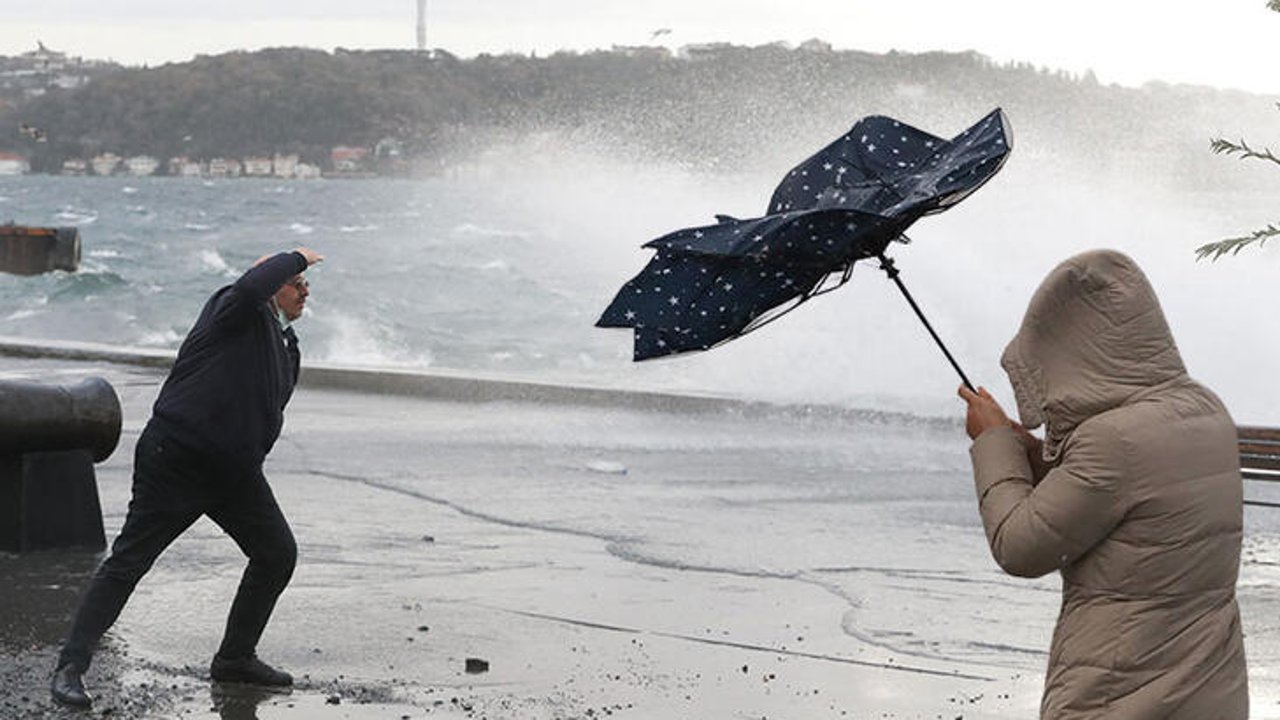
299	284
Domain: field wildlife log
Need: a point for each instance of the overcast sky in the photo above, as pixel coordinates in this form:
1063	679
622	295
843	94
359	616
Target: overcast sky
1224	43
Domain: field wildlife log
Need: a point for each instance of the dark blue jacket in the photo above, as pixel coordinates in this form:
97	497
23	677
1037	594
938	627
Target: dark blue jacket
235	371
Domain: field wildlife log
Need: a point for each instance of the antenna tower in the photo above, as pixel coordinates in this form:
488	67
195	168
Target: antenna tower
422	25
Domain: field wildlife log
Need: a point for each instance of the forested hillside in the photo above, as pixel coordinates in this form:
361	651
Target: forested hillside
722	106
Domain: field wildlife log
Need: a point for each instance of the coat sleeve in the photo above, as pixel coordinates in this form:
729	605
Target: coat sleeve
258	284
1036	528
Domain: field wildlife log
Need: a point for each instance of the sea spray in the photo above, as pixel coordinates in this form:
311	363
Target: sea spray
504	266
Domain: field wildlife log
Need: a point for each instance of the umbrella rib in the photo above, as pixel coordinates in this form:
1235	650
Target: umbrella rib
817	290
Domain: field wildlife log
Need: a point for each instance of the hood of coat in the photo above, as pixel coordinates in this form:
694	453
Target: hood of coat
1093	336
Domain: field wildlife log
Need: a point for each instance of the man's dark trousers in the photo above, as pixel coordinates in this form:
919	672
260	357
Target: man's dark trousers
172	487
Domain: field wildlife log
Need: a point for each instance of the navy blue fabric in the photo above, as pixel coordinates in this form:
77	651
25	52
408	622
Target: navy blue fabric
847	202
235	372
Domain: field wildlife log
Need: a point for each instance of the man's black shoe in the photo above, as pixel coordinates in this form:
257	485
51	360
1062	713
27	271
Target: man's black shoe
68	687
249	670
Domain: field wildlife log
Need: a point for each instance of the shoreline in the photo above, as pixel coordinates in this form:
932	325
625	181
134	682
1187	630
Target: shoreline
468	386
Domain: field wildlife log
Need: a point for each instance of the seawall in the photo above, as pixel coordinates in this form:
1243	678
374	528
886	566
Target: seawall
461	386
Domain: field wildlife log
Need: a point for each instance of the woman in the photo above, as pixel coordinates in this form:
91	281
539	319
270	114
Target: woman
1134	495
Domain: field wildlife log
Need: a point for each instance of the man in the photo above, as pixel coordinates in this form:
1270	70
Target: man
216	418
1134	495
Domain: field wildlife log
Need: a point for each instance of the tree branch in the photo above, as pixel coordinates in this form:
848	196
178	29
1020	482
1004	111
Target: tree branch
1215	250
1226	147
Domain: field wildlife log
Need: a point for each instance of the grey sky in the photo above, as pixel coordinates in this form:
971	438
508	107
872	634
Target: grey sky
1235	43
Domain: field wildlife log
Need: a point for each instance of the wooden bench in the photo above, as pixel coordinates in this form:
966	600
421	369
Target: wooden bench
1259	452
1259	457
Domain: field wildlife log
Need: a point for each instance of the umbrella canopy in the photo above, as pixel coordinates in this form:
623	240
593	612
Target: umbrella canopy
706	285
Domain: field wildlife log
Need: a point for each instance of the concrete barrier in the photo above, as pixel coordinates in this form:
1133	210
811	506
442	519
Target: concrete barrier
50	437
468	386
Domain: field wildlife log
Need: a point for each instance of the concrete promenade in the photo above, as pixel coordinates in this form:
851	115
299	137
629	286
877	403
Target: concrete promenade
401	489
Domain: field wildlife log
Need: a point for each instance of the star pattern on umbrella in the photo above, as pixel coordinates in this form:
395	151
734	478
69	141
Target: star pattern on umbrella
845	203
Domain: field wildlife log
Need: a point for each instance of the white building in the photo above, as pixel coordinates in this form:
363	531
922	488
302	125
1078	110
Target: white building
44	58
74	166
141	165
348	159
224	167
105	164
11	164
306	171
257	166
284	166
183	166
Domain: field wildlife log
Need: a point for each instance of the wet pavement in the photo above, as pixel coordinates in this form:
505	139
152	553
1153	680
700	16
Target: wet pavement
453	564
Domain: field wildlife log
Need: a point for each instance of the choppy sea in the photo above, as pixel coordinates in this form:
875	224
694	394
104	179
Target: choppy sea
504	265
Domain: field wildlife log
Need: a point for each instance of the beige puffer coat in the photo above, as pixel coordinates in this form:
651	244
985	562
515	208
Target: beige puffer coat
1138	502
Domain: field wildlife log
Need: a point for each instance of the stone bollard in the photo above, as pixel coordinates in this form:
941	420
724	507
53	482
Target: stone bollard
50	437
33	250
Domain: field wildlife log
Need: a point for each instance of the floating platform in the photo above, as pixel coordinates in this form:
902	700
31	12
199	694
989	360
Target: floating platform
29	250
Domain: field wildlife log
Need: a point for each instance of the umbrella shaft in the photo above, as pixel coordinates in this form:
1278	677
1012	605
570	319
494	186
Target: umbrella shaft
886	264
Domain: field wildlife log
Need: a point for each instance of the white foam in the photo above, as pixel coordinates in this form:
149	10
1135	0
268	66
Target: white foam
483	231
214	261
608	467
362	341
77	216
160	338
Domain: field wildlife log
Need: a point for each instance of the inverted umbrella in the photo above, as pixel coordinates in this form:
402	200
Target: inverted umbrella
707	285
